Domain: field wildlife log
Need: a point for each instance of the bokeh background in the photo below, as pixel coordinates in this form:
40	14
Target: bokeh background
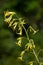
32	12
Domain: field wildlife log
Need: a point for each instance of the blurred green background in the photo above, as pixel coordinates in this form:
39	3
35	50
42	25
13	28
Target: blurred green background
32	11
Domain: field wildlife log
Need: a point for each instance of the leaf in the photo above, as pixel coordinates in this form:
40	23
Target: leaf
22	21
21	55
32	42
31	63
20	58
6	13
30	45
11	23
19	30
8	19
19	41
14	25
32	29
35	32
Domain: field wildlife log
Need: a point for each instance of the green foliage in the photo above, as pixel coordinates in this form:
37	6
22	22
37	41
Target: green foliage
10	47
17	24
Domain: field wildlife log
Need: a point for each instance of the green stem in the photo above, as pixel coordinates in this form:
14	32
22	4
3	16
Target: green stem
28	40
25	32
24	28
36	56
32	49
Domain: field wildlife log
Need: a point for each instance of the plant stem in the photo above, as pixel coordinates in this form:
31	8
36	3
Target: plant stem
24	29
36	56
28	40
25	32
32	49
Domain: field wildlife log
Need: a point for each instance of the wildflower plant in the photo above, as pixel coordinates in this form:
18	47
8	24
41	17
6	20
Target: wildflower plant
17	25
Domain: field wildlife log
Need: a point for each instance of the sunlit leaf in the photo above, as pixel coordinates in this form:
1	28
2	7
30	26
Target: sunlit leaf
32	29
19	41
19	30
21	55
20	58
32	42
9	18
31	63
35	32
11	23
6	13
22	21
30	45
14	25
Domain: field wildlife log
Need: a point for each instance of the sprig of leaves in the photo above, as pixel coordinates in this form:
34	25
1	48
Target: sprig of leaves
13	23
17	24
